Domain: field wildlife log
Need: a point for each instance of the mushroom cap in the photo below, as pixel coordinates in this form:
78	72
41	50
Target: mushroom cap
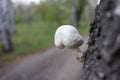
68	36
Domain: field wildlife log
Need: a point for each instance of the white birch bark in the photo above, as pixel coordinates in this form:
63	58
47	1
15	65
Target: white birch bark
4	25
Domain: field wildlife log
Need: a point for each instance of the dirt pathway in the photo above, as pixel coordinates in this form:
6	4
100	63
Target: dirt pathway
54	64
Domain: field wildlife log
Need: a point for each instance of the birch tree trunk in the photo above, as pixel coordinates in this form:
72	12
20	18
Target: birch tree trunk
4	26
103	54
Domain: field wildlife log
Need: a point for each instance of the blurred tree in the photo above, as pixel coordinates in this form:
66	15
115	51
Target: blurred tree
33	8
60	11
4	26
90	10
77	9
11	15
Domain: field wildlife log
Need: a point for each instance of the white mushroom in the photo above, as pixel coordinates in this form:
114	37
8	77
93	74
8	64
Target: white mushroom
68	36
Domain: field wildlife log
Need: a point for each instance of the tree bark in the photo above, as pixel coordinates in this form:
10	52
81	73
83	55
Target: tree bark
103	54
4	26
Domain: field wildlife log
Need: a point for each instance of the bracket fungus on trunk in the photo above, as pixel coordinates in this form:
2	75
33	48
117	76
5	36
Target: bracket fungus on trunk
68	36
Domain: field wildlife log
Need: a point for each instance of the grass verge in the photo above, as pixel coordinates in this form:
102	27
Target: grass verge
32	38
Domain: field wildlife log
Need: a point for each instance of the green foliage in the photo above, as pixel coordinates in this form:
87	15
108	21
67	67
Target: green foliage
18	18
84	28
31	38
51	12
39	35
34	37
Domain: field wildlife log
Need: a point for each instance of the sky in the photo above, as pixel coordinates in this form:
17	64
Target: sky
26	1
